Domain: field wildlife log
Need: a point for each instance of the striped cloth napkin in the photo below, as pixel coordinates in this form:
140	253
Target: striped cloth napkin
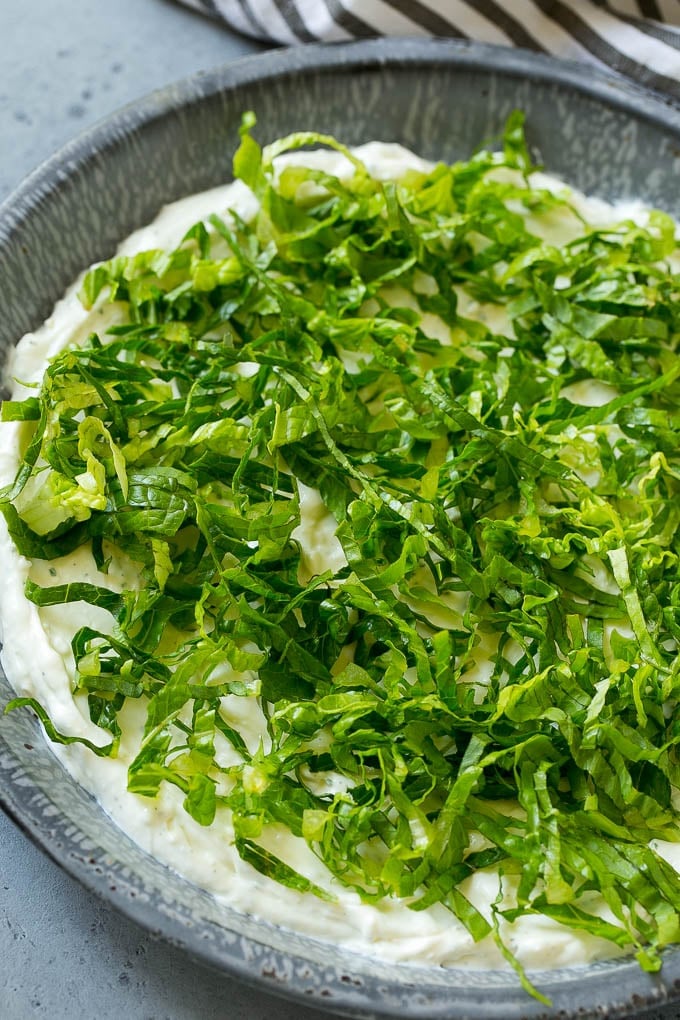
637	38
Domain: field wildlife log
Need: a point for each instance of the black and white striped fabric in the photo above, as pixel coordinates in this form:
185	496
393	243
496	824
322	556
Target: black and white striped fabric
638	38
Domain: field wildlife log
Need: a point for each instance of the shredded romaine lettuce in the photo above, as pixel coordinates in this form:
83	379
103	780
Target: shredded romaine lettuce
498	659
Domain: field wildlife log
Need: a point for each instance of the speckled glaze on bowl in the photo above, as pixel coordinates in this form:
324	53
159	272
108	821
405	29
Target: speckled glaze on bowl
442	99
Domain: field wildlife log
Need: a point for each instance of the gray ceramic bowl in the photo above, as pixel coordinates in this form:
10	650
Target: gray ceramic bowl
442	99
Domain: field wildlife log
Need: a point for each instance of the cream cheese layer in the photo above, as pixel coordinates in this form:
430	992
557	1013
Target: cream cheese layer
38	661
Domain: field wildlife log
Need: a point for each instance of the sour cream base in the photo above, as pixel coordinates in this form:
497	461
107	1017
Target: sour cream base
206	856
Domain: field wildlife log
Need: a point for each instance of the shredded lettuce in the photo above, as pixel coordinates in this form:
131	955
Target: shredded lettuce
494	673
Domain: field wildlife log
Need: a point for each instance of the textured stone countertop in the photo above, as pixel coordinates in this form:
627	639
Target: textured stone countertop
64	64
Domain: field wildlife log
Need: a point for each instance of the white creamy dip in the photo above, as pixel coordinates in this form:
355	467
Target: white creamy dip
38	661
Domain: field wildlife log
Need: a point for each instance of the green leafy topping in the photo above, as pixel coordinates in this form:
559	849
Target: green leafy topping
487	678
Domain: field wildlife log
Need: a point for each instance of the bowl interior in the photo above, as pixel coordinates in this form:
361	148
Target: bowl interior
443	100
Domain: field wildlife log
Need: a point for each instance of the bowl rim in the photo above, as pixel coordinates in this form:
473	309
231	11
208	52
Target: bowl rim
607	86
319	990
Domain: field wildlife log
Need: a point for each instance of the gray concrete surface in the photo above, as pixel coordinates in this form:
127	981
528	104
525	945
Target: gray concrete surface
64	955
64	64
